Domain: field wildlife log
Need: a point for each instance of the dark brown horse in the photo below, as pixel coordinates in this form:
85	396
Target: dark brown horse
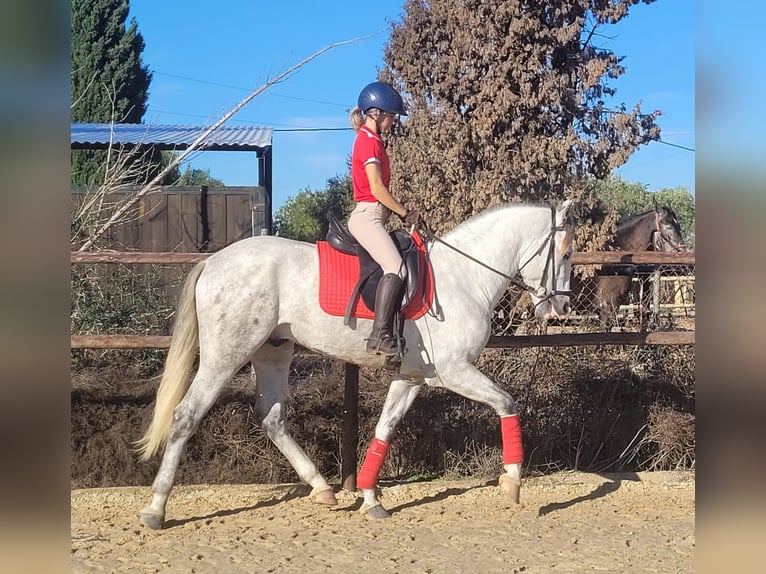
653	230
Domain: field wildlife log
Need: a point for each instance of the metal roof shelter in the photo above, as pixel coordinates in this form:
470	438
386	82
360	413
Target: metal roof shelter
177	137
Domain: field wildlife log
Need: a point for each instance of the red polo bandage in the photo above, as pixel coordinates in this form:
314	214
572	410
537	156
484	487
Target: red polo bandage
373	462
510	429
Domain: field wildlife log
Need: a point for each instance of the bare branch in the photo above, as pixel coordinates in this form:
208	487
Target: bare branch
121	167
201	139
84	92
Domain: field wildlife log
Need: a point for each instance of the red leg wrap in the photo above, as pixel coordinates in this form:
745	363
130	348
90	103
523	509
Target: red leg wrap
373	462
510	429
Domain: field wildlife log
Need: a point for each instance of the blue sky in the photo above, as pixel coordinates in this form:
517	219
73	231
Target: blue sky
208	56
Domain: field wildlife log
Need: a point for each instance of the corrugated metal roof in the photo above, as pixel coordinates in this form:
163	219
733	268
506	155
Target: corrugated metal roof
98	136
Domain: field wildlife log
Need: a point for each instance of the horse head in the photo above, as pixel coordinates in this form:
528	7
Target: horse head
549	270
667	236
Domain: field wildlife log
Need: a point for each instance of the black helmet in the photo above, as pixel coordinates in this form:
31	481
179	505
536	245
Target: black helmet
382	96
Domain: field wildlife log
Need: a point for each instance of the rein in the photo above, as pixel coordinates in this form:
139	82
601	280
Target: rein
430	235
541	292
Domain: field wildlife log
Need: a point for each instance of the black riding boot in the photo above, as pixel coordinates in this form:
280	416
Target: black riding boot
388	299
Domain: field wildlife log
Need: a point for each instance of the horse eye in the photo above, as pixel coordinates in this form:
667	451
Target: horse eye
567	255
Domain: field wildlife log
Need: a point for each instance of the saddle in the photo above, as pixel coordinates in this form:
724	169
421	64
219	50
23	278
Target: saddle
417	291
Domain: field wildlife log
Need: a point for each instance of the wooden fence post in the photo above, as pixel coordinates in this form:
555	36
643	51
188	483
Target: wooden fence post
350	436
656	293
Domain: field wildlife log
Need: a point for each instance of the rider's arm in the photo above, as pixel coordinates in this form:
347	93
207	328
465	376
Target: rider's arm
379	190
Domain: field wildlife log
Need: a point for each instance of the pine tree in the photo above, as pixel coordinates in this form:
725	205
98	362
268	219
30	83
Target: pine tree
109	81
508	101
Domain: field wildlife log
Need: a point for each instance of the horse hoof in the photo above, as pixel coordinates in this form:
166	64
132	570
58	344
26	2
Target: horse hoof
375	512
324	495
153	521
510	486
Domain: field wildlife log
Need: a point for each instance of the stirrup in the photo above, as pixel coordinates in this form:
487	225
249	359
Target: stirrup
373	346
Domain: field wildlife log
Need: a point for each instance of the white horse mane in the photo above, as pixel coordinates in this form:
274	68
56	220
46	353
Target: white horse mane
491	212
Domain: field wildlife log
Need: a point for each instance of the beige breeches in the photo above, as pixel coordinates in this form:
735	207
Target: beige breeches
367	224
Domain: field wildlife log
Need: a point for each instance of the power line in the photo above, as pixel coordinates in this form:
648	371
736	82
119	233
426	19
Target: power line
201	81
313	129
676	145
310	129
249	90
251	122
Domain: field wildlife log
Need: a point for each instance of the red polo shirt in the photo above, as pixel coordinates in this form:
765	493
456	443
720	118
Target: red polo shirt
368	147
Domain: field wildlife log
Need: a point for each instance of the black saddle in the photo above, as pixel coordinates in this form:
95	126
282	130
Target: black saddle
339	238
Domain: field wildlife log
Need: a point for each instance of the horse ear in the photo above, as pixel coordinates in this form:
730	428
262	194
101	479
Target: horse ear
563	211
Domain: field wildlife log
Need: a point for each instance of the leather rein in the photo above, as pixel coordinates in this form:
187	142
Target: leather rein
541	292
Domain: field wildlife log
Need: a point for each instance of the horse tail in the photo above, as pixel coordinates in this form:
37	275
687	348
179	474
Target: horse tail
178	366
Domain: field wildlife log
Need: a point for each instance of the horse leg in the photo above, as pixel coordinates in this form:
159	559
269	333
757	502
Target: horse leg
401	394
272	366
466	380
606	302
202	393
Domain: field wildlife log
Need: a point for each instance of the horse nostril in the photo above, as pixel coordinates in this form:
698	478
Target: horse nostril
566	308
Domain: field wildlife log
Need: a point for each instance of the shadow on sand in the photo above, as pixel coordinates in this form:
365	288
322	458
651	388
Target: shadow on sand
292	492
439	496
615	481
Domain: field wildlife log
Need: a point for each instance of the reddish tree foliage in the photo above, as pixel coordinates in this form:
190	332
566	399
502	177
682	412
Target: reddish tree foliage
508	102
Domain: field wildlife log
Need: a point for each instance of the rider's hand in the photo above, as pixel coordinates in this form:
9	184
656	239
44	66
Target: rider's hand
413	217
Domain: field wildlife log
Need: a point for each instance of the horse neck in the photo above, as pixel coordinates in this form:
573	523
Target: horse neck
636	234
500	238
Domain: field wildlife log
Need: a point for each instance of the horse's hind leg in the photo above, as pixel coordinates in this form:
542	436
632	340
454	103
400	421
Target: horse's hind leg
202	393
272	366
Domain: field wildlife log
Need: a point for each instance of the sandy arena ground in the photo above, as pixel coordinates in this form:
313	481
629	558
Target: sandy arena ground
567	522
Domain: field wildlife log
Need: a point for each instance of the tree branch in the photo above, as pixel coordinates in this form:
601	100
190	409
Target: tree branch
201	139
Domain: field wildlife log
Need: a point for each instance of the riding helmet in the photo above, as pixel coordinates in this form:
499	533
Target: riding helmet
382	96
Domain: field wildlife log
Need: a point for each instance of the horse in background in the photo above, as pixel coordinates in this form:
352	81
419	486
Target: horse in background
653	230
656	229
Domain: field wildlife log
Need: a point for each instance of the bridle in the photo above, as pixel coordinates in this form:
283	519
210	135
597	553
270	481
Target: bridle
550	263
657	233
540	292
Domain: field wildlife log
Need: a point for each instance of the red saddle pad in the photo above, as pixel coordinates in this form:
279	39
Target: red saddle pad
338	274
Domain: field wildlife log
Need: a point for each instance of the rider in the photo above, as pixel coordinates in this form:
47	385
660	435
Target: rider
378	108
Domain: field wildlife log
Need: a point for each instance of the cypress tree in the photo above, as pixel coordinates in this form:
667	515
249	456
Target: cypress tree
109	81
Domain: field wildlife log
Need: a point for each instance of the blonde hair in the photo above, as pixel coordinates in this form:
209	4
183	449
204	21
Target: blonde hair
356	117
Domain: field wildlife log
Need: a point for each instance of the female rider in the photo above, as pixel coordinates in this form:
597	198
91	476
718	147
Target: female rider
378	108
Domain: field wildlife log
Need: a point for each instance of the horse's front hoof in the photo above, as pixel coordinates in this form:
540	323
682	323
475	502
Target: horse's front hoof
375	512
510	486
151	520
324	495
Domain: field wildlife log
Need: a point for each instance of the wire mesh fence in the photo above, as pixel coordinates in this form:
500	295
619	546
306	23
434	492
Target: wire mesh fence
610	298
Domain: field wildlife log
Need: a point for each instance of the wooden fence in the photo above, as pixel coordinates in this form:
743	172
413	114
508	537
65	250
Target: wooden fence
349	455
184	219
